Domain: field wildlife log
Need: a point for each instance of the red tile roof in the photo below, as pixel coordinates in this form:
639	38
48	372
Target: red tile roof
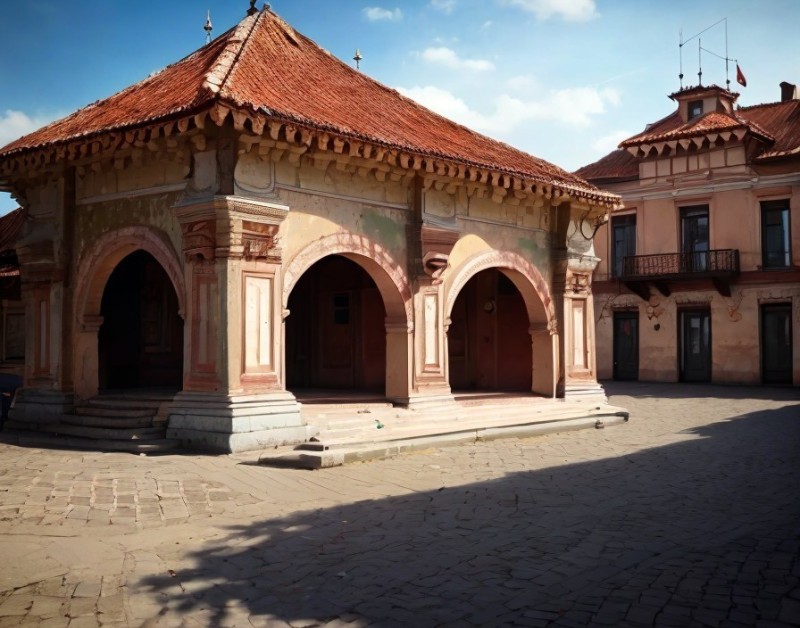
776	124
263	66
673	128
10	228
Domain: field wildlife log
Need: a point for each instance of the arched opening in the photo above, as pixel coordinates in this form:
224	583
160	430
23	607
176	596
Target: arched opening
335	331
140	342
489	342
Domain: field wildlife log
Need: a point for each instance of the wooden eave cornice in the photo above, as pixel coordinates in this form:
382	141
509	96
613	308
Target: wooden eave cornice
699	141
300	138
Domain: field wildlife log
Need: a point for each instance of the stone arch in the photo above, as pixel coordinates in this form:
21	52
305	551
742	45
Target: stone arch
526	277
94	270
538	302
388	275
393	285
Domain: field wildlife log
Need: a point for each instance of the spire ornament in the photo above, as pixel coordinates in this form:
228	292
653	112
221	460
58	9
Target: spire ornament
357	58
252	10
208	27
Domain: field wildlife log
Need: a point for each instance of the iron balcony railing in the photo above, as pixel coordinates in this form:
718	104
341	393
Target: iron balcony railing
716	263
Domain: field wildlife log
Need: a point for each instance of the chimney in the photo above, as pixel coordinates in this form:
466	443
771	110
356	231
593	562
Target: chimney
788	91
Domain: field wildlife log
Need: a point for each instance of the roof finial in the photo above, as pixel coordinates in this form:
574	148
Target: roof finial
357	58
208	27
252	10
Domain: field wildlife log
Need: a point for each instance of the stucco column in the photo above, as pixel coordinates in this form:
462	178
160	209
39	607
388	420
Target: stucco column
430	383
47	393
234	397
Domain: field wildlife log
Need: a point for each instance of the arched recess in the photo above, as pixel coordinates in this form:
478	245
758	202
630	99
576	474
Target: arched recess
538	301
392	283
387	274
94	270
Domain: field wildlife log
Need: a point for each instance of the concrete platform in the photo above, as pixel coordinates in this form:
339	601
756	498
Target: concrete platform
349	431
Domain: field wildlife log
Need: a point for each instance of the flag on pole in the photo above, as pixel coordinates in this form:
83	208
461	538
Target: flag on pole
740	76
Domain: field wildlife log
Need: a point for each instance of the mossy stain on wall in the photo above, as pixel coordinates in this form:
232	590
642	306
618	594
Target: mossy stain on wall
384	230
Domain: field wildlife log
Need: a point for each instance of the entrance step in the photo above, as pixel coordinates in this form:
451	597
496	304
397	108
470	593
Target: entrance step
132	422
49	440
404	430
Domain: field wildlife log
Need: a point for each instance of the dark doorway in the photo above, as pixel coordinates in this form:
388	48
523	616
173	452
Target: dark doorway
336	330
695	345
776	343
489	346
626	346
140	342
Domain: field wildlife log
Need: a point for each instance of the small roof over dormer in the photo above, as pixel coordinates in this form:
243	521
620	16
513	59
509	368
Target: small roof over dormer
775	127
710	98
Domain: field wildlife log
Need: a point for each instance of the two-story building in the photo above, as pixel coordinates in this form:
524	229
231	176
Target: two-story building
260	220
699	279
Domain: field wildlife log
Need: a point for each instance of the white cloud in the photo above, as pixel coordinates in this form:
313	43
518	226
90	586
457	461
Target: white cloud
609	142
15	124
572	107
378	14
448	58
446	6
568	10
487	24
520	82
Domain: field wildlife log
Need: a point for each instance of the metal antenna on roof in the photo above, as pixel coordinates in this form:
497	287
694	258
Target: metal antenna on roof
252	10
357	58
208	27
700	62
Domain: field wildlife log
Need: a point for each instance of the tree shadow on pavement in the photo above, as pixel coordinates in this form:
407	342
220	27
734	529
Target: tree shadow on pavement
686	534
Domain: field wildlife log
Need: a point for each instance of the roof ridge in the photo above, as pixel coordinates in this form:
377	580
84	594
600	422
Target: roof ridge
222	69
770	104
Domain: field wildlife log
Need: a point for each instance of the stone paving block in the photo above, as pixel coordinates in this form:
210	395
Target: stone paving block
789	613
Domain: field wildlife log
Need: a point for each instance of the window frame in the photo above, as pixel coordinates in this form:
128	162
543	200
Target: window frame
624	221
693	105
772	207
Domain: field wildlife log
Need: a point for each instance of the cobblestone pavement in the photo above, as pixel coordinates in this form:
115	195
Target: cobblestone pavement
689	515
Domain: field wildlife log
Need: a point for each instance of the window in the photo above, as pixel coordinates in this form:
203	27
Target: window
695	109
694	238
623	242
775	247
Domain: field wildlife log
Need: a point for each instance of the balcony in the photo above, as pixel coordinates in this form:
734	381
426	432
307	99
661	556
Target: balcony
719	265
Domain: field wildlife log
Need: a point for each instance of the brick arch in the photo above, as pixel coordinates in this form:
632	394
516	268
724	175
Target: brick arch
525	276
108	251
388	275
94	270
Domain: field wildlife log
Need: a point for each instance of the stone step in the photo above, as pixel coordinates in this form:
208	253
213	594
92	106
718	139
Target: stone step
111	422
115	411
53	441
93	433
469	422
127	401
321	455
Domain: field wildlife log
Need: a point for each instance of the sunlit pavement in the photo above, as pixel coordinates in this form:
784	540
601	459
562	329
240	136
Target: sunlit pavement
688	515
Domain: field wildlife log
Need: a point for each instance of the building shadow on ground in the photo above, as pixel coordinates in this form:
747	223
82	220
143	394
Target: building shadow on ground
683	533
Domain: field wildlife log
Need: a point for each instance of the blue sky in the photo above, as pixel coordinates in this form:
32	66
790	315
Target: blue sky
565	80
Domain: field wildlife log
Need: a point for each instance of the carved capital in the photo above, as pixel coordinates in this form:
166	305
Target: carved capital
437	243
199	239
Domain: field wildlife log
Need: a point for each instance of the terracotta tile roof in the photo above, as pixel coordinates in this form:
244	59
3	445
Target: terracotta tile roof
673	128
776	124
265	67
782	119
10	227
617	165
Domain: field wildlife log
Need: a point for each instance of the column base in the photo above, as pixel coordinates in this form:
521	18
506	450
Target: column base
233	423
589	391
427	399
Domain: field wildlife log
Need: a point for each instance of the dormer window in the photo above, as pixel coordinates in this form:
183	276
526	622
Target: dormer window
695	109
